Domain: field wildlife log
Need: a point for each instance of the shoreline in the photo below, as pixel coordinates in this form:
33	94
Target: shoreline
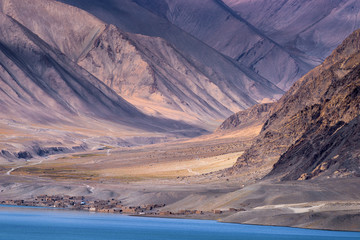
206	217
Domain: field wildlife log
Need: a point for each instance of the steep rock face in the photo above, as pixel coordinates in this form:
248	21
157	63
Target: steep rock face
334	152
329	146
318	104
257	114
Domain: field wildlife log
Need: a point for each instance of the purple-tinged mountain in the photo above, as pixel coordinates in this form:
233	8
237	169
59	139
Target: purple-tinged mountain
280	40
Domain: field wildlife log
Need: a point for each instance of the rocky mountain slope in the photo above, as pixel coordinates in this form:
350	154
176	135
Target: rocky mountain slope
313	27
185	81
48	99
70	79
159	80
256	115
280	40
312	128
241	85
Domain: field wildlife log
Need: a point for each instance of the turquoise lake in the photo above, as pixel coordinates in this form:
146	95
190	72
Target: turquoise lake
37	224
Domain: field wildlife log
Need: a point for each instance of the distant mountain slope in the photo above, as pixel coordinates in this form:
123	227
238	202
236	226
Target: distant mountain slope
160	81
47	98
240	84
256	115
321	106
70	79
216	25
312	28
231	27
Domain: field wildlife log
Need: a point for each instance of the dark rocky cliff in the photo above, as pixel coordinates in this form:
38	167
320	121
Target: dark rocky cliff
311	123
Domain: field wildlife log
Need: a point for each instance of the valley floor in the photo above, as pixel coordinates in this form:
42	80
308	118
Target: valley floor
182	175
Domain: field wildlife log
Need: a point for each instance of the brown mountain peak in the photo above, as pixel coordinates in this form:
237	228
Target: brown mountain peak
300	123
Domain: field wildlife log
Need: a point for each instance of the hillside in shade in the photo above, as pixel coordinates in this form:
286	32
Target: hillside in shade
280	40
256	115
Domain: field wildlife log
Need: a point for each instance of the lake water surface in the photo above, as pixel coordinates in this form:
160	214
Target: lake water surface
37	224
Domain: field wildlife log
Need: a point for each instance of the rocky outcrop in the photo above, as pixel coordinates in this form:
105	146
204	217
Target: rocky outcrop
332	153
321	105
39	151
252	116
24	155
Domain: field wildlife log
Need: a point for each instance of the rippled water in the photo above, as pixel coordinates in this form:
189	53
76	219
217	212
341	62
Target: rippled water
34	223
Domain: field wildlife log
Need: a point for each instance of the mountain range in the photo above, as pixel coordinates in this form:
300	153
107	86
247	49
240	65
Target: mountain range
65	69
152	71
243	110
282	41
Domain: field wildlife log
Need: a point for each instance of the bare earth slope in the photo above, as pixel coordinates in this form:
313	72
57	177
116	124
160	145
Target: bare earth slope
218	26
280	40
239	85
161	81
314	27
47	98
310	30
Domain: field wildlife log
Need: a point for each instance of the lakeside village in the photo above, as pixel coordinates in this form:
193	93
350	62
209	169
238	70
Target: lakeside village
105	206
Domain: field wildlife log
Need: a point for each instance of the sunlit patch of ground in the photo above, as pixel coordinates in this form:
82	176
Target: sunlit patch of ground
172	160
174	169
80	166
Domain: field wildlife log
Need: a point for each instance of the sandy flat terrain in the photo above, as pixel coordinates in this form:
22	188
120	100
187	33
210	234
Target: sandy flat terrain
173	174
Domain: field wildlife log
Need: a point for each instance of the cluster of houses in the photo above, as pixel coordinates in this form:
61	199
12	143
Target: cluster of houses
81	203
105	206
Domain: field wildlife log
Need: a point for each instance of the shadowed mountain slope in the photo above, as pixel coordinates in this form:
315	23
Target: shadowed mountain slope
310	30
218	26
241	30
